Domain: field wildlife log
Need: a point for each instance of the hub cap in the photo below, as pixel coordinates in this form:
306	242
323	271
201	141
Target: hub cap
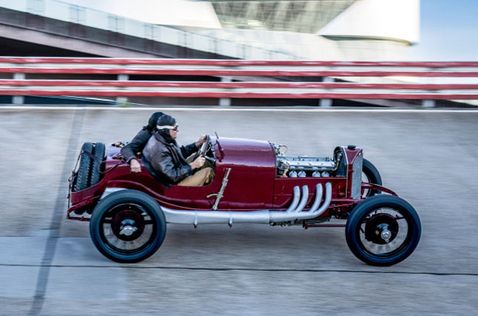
384	231
128	224
128	228
381	228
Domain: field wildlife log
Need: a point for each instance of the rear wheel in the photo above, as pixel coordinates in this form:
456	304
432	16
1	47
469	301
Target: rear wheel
383	230
127	226
370	174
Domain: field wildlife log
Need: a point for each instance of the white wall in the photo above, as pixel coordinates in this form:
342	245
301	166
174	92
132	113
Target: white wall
164	12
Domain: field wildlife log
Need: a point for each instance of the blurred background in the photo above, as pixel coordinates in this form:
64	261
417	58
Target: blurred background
395	77
402	32
318	30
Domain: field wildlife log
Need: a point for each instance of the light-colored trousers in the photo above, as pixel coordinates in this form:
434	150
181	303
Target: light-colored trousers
198	179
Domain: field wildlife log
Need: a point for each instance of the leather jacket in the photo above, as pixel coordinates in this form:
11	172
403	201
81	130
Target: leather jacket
167	158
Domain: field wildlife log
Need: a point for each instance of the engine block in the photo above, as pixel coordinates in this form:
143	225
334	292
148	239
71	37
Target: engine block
305	166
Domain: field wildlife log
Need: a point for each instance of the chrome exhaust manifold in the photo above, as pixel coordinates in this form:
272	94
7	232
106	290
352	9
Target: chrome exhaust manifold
294	213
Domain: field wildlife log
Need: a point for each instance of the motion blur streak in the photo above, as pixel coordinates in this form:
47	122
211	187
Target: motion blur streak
57	217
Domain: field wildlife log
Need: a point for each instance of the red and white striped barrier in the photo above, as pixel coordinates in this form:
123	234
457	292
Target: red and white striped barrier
258	79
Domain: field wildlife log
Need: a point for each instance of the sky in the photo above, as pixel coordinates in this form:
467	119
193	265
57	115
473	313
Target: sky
448	30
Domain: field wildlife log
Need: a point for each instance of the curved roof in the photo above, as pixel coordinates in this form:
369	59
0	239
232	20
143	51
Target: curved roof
396	20
305	16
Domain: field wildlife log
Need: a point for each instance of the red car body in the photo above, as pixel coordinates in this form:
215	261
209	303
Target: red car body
253	182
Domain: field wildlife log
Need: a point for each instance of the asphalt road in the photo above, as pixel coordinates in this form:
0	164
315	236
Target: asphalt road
49	266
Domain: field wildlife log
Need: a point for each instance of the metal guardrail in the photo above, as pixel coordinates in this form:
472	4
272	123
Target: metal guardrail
256	79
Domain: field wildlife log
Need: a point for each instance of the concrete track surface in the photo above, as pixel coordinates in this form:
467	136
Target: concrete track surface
49	266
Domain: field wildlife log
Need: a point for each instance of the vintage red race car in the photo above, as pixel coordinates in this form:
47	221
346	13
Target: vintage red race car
255	182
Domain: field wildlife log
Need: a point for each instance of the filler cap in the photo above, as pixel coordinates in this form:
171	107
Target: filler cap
351	147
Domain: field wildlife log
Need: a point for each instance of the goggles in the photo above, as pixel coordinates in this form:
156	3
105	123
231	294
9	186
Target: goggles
171	127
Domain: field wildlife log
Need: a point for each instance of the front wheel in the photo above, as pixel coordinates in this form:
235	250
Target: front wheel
370	174
127	226
383	230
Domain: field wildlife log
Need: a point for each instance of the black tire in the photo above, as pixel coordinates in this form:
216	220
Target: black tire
96	164
370	174
131	209
366	224
83	174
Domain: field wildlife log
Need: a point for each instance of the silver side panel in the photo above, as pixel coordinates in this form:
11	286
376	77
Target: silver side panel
357	176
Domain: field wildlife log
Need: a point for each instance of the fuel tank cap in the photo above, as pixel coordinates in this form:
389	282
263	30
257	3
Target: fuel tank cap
351	147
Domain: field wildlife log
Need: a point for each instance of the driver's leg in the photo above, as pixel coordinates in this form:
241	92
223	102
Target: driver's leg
200	178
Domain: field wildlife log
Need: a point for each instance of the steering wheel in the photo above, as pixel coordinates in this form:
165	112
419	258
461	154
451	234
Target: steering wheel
204	147
202	151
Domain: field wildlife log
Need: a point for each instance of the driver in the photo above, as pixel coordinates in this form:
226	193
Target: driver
168	159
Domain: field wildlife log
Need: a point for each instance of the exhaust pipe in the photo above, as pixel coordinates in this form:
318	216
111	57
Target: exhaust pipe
318	198
295	200
292	214
303	200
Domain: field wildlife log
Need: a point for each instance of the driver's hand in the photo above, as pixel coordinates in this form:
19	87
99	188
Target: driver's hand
198	163
134	166
202	139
